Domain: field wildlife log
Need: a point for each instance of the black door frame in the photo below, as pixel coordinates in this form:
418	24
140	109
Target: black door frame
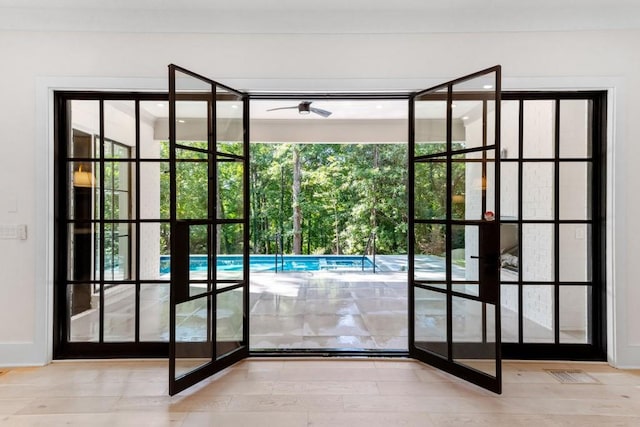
64	349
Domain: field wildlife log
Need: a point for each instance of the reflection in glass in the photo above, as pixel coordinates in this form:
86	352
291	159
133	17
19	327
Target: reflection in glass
575	190
509	130
474	343
509	190
509	252
84	114
229	122
154	190
537	313
575	255
119	125
431	321
509	312
155	251
119	313
431	124
538	199
539	129
154	312
83	319
193	335
574	309
537	252
575	128
465	252
229	321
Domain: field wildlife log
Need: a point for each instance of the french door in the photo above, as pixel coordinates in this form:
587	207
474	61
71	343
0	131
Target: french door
454	227
208	166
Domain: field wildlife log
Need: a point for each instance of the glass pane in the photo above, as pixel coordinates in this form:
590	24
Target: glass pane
120	127
230	126
229	321
83	241
509	190
537	313
539	129
85	122
509	252
575	128
575	252
473	187
465	252
198	258
192	197
154	190
430	192
154	130
84	313
230	190
574	314
193	106
431	123
118	251
84	194
117	190
538	200
430	252
468	114
119	313
474	342
191	122
431	321
509	130
194	347
154	312
537	252
229	247
155	261
509	312
575	190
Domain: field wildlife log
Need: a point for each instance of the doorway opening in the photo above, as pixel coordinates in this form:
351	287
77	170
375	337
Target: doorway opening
329	223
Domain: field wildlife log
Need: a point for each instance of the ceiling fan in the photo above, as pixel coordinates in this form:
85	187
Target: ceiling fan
305	108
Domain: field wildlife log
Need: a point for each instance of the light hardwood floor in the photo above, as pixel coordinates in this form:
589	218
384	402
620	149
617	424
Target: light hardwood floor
314	392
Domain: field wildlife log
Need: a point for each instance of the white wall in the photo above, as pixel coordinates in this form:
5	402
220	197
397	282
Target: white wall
36	61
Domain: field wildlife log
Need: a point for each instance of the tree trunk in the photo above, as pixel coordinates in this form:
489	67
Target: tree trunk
297	211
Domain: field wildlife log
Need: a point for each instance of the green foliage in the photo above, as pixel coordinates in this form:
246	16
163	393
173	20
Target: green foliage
347	192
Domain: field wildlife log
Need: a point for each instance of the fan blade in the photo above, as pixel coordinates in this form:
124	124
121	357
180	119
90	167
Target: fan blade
283	108
320	111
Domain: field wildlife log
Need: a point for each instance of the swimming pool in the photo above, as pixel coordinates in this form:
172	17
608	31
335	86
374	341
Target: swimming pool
266	263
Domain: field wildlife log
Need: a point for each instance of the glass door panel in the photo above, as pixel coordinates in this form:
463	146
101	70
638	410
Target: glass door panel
454	224
207	164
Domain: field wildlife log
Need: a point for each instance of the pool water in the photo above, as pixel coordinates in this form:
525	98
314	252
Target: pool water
267	263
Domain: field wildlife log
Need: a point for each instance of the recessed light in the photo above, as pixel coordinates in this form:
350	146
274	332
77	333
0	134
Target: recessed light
181	121
234	106
160	105
487	87
379	107
465	118
453	105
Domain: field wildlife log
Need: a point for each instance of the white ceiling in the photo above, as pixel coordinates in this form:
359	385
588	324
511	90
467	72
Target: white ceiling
322	16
